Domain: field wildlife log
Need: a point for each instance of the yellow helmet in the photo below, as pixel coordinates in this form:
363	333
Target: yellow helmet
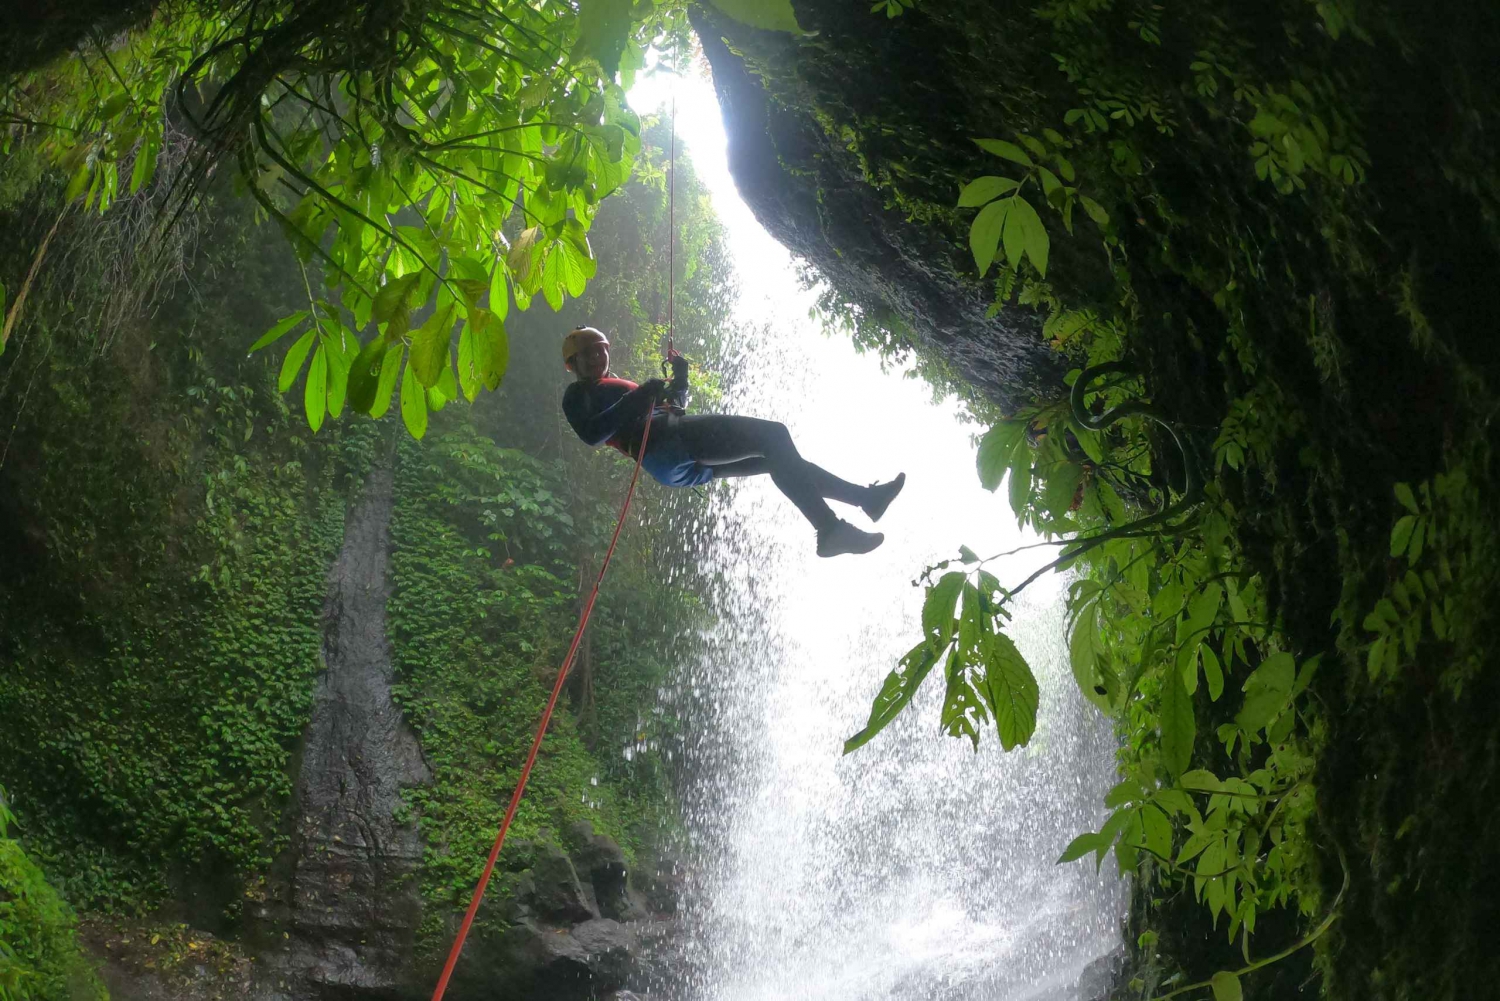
578	339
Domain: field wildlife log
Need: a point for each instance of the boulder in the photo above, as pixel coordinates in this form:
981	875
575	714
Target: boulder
534	960
601	863
550	890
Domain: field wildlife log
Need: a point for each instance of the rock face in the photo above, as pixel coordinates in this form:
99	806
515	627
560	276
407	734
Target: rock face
346	900
808	188
574	927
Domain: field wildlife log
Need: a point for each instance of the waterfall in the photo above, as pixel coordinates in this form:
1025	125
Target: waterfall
916	867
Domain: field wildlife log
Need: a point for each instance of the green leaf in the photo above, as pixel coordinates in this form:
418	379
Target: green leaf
985	189
1201	780
896	693
338	372
768	15
429	347
1226	985
292	364
1024	233
1266	692
1213	672
997	451
145	165
413	403
365	375
395	297
1012	691
1020	481
984	233
1401	534
1406	498
1179	727
1158	830
468	372
1094	209
963	710
1051	186
1008	150
78	182
967	555
315	392
499	294
937	609
387	384
1083	845
603	32
491	348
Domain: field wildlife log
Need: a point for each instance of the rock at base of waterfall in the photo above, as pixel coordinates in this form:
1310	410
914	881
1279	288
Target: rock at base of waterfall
601	864
1101	977
584	962
659	881
551	892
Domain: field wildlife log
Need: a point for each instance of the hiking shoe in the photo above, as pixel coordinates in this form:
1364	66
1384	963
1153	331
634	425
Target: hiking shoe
881	495
842	537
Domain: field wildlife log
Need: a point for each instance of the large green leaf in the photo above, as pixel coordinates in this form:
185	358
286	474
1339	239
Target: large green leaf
603	32
984	233
292	364
413	403
387	385
896	693
1267	691
276	332
984	189
1179	727
1083	656
769	15
429	346
365	375
315	392
937	609
1226	986
1012	691
997	450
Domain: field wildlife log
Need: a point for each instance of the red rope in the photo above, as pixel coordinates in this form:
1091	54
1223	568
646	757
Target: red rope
672	229
541	730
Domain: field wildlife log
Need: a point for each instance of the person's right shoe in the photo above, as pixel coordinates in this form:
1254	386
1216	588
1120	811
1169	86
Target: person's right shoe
881	495
842	537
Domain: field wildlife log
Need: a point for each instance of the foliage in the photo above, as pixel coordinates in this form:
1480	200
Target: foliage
161	636
40	959
438	160
1238	230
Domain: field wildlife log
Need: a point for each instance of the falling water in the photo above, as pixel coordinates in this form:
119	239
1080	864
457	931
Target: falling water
916	867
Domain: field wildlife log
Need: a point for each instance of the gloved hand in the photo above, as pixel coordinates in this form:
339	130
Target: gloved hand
655	388
679	372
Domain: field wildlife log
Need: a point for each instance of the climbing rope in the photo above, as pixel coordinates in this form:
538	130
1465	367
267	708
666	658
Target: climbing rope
541	730
671	235
588	607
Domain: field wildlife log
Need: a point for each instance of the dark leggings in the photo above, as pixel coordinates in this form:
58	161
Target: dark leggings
748	446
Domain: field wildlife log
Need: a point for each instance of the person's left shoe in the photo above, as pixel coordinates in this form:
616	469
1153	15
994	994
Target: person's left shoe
881	495
842	537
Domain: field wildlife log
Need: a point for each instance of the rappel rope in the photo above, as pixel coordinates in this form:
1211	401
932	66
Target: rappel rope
588	607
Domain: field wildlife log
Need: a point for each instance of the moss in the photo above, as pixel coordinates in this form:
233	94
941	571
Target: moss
40	958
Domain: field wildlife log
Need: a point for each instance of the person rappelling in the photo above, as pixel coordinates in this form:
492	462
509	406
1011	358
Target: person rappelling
686	450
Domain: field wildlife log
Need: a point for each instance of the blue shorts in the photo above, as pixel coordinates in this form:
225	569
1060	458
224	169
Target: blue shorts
667	458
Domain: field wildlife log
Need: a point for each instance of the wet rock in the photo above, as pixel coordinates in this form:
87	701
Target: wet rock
551	892
808	188
659	879
1101	977
345	905
601	863
535	960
